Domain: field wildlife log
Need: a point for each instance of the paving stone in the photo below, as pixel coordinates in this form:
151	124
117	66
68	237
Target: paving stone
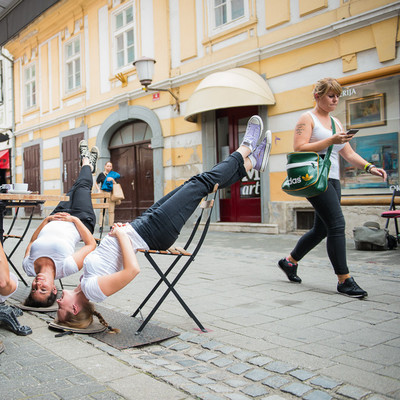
174	367
169	342
273	397
302	374
180	346
260	361
222	362
244	355
324	382
227	349
216	387
317	395
161	372
254	390
187	363
193	388
186	335
297	389
211	345
236	383
257	375
107	395
206	356
188	374
210	396
236	396
352	392
219	375
198	339
275	381
238	368
201	369
279	366
202	380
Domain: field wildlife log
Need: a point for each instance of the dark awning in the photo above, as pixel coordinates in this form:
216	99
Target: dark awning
18	14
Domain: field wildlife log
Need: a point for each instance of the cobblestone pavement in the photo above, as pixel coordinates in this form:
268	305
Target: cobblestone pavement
267	339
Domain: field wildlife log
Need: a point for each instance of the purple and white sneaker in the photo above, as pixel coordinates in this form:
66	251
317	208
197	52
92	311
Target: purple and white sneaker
253	136
259	157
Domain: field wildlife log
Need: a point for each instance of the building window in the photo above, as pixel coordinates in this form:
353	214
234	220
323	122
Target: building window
73	64
124	38
226	11
30	86
373	108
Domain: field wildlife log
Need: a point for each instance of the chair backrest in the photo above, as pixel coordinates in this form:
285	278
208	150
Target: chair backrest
101	201
396	193
206	204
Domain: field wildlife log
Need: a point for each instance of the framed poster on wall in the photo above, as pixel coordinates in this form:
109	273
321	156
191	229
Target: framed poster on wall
367	111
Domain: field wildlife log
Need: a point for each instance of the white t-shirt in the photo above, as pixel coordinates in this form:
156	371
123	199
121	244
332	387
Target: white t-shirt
15	279
320	133
106	259
57	241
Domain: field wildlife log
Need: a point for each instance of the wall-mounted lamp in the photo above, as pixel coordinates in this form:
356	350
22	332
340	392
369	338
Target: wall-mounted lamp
145	69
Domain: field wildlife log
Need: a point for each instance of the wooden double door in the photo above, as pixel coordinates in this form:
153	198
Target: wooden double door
134	163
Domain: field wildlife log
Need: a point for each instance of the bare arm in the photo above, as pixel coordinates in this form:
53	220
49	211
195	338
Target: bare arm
7	285
111	284
357	161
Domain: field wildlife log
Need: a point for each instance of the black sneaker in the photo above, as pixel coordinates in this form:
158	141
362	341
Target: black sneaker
93	156
290	270
350	288
83	150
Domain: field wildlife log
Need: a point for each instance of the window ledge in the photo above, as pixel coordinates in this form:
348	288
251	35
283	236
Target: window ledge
30	111
228	33
74	93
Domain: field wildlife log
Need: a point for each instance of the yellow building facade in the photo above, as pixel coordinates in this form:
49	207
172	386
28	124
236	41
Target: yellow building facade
223	60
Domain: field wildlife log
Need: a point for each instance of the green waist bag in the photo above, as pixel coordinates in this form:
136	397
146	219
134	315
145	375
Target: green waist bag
307	172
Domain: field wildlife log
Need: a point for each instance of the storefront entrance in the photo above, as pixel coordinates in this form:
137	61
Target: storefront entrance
240	202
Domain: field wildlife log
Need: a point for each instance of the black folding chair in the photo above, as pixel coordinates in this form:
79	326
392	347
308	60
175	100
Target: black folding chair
393	213
19	239
178	254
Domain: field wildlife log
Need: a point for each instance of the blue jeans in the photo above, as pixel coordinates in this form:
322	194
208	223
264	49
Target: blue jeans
328	223
80	202
160	225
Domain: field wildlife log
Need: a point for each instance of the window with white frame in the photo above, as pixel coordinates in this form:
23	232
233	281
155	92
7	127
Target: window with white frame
30	86
226	11
73	64
124	38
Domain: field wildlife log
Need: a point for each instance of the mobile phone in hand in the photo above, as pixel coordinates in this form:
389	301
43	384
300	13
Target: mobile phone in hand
352	131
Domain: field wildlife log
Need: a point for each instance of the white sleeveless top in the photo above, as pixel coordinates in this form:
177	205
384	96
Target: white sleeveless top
57	241
319	133
106	259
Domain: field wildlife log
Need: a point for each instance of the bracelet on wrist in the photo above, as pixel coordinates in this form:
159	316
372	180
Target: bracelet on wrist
370	167
366	166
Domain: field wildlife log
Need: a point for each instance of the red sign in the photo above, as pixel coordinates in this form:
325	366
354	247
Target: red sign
156	96
5	159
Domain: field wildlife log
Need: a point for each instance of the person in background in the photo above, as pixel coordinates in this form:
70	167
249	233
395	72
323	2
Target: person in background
104	182
113	264
313	132
50	253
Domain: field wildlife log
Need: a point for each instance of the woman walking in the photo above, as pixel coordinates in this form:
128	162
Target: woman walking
313	132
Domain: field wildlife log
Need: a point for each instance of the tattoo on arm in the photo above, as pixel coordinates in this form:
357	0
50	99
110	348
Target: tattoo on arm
300	128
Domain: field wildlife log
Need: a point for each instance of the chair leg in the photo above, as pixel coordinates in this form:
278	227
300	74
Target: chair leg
156	286
170	289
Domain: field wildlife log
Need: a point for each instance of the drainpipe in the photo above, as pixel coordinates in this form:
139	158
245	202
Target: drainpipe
13	145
